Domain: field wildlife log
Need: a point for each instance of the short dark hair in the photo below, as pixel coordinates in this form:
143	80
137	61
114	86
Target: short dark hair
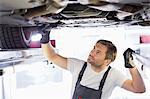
111	49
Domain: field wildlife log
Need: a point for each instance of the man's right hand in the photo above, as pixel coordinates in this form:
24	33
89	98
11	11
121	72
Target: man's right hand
45	32
45	37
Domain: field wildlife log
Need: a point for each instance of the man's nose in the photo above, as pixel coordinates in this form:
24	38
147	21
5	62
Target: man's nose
92	53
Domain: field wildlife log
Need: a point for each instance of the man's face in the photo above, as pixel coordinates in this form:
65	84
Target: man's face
97	55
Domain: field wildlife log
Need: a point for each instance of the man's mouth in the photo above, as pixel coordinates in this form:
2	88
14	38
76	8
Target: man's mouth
90	58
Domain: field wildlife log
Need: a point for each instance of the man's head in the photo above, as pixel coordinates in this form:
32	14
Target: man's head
103	53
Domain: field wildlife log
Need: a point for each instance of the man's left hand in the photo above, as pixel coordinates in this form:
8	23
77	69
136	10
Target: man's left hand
128	58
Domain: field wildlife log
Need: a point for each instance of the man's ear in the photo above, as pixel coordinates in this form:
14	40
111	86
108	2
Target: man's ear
108	61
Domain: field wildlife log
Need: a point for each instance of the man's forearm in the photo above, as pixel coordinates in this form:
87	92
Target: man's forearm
137	81
48	51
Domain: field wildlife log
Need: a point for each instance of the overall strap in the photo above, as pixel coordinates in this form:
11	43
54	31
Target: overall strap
103	81
81	73
104	78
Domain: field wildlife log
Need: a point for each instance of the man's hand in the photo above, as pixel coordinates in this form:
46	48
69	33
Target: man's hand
45	32
128	58
45	37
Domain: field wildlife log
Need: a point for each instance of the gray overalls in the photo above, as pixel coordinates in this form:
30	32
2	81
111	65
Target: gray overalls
83	92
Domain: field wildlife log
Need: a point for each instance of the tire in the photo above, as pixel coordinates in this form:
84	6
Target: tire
14	37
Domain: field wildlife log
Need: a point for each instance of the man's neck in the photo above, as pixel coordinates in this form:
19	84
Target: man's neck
98	68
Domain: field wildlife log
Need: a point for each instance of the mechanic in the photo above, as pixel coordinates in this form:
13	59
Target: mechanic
96	79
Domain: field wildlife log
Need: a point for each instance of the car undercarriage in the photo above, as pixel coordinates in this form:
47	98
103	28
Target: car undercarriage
20	18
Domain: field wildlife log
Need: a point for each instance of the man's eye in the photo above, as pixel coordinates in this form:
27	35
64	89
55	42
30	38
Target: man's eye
97	52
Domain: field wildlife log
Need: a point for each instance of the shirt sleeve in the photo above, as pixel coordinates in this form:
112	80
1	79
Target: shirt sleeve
74	65
120	78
